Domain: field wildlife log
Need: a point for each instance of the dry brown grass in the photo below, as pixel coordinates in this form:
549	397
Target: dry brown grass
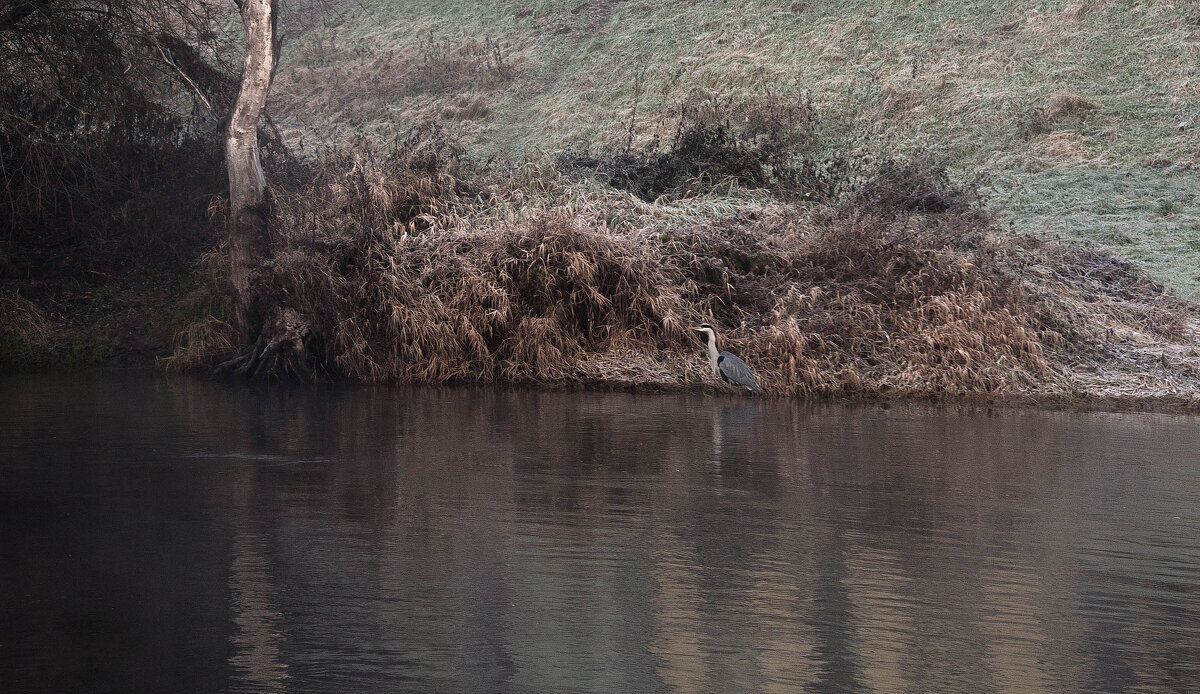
402	272
201	342
26	336
1077	11
863	303
1056	148
21	317
467	108
456	80
1069	105
896	101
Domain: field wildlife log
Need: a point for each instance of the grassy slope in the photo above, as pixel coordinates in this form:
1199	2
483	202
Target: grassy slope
957	78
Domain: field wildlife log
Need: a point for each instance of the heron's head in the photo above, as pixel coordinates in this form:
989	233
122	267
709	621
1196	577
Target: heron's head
704	329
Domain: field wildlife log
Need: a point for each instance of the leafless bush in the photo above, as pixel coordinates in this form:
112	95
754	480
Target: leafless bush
108	113
763	143
915	185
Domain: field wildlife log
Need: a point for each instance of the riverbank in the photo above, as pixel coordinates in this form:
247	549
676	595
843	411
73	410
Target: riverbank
834	274
393	267
829	251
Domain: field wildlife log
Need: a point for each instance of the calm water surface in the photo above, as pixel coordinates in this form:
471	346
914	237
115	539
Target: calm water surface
179	535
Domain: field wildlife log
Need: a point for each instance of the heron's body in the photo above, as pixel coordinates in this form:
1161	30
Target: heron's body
729	367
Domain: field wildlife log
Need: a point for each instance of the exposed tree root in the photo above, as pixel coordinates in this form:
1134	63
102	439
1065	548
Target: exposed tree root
280	352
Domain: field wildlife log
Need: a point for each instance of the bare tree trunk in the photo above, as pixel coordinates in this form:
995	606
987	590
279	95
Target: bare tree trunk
275	334
247	185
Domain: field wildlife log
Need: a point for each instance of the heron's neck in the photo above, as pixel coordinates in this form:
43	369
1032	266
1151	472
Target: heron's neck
712	352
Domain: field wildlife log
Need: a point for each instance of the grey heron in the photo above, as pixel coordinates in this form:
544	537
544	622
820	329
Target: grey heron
728	366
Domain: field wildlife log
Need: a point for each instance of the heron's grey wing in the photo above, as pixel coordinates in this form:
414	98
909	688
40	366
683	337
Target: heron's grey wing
735	371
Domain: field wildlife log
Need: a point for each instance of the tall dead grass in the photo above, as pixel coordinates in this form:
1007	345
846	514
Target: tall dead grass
401	271
26	335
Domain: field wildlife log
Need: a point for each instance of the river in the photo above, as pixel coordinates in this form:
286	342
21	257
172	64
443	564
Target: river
175	534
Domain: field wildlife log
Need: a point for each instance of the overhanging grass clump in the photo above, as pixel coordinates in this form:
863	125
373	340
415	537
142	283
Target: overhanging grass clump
397	270
25	334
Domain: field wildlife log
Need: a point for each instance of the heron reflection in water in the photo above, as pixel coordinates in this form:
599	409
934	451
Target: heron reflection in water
728	366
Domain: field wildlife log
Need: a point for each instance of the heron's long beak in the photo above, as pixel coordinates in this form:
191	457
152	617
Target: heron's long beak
692	327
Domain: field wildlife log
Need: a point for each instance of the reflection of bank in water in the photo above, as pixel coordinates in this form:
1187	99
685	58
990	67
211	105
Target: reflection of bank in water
508	541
